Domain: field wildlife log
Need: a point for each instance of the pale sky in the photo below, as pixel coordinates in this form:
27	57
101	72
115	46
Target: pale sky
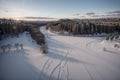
59	8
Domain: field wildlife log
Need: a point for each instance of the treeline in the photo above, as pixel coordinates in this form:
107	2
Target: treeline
115	37
86	27
11	28
36	35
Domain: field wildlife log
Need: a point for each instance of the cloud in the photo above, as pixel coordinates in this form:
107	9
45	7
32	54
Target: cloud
6	11
82	16
39	18
114	12
3	10
76	14
111	14
86	15
90	14
96	15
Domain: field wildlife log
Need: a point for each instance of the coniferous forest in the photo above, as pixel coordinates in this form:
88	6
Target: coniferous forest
86	27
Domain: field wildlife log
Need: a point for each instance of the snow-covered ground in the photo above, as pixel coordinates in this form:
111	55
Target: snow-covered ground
69	58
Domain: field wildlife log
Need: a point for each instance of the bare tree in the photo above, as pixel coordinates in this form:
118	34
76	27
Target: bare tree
9	46
17	46
117	45
21	45
104	49
27	33
44	48
3	47
33	41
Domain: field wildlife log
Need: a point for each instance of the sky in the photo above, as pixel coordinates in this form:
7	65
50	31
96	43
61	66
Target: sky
56	9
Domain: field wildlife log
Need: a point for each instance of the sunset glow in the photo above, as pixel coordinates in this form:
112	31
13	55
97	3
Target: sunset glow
18	9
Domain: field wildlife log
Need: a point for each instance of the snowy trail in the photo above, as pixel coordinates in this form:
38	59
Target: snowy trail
44	66
68	58
58	65
62	67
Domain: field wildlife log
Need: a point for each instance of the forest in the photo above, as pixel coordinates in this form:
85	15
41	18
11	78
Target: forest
86	27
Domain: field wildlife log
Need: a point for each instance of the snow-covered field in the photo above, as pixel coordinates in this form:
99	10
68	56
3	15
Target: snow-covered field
69	58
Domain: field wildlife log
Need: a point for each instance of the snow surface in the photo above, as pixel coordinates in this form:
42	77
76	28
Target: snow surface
69	58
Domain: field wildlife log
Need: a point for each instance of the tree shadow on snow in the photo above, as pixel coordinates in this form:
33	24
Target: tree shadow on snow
110	51
57	44
57	56
17	67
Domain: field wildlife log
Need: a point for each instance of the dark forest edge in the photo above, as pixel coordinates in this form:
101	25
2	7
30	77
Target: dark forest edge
91	27
12	28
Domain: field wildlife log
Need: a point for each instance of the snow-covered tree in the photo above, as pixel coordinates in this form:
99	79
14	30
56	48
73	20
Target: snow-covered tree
21	45
16	46
44	48
3	47
9	46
